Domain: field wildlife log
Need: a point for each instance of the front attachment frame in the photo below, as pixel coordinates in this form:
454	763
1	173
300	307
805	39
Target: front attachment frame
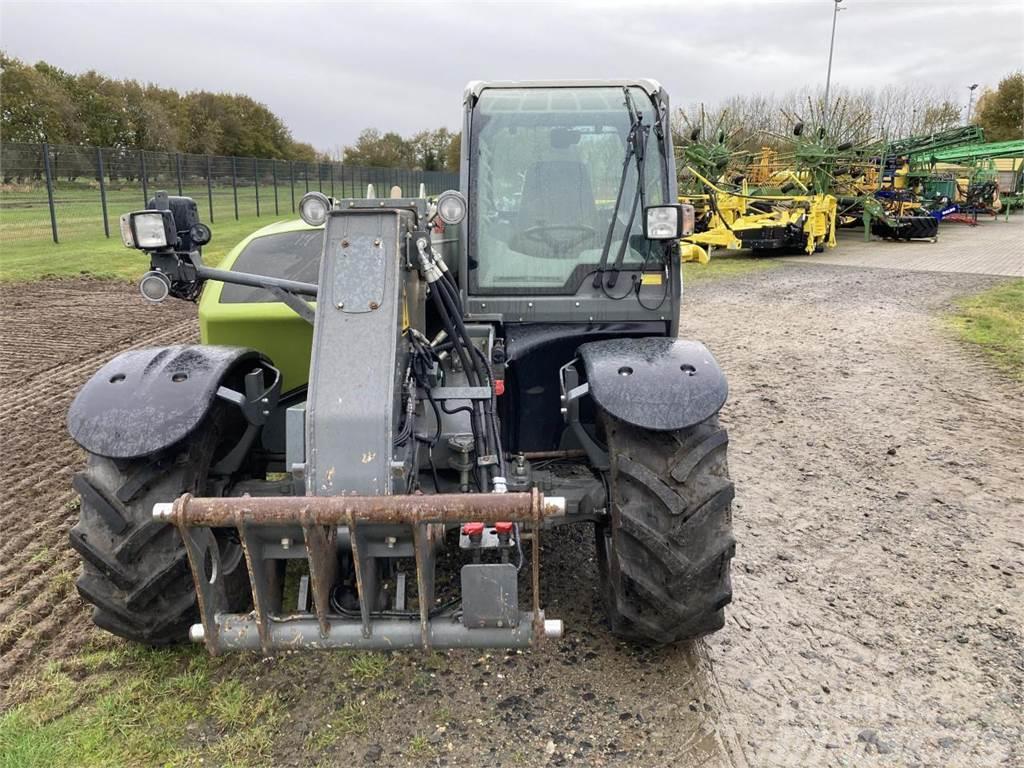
267	629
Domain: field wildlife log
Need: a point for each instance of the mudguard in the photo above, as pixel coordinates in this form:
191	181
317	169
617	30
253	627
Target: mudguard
656	383
146	400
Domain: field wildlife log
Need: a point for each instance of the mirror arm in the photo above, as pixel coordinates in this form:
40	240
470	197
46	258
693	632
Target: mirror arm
257	281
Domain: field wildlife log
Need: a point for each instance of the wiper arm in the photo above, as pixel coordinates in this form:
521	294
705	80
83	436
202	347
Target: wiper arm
640	197
613	273
599	277
635	146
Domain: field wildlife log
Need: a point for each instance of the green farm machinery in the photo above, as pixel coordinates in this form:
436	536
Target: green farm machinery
397	396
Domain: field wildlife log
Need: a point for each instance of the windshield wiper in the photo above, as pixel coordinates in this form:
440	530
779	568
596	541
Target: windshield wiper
636	143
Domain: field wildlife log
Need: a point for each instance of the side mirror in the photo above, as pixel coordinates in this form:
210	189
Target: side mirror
668	222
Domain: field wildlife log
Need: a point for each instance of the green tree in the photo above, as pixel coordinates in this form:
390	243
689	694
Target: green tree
100	110
430	148
33	107
45	103
201	129
381	150
1000	112
300	151
251	129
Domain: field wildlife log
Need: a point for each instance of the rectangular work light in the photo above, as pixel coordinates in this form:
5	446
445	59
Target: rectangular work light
668	222
148	229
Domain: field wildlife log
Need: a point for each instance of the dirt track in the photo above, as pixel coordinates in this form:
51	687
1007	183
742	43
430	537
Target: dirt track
878	594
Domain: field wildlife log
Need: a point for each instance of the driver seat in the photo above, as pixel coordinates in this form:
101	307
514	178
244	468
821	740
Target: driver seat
556	193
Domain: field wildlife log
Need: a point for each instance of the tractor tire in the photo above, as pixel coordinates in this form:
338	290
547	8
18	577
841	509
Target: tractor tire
665	553
907	228
135	571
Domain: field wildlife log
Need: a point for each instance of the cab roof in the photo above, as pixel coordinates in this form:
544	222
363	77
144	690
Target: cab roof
475	87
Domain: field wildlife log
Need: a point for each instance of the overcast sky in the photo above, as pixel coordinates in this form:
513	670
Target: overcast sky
331	69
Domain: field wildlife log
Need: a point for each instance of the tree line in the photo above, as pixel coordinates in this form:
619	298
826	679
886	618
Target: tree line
436	150
41	102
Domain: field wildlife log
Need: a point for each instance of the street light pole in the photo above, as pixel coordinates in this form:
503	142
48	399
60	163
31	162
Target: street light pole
831	46
970	102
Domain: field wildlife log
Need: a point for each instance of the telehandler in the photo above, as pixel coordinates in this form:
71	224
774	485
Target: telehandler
393	376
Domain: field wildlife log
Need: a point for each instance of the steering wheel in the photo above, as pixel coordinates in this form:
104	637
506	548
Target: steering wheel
545	234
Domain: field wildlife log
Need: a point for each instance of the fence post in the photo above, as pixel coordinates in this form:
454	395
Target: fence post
177	168
291	173
320	176
49	190
234	185
256	183
142	176
209	185
305	175
331	167
103	190
277	209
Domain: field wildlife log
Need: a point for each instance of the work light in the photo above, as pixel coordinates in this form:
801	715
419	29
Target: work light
148	230
668	222
154	286
313	208
451	206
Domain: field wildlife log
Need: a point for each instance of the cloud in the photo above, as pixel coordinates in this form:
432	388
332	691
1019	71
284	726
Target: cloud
331	69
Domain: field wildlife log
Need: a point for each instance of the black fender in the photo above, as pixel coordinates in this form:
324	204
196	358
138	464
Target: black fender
657	383
146	400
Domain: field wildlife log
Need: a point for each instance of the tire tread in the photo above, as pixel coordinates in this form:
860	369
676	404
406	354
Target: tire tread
667	550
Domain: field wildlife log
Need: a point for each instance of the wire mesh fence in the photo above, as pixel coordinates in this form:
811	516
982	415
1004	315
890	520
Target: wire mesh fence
59	192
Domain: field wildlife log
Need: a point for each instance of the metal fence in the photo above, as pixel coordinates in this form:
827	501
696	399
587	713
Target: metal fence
68	192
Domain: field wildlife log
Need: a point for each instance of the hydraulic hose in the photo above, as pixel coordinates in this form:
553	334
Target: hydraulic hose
479	372
436	293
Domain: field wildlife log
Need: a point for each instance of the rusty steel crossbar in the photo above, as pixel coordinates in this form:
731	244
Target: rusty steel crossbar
319	518
341	510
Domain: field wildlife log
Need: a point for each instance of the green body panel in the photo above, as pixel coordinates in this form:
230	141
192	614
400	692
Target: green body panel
936	187
270	327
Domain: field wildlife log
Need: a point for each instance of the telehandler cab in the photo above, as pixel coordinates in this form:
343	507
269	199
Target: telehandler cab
396	375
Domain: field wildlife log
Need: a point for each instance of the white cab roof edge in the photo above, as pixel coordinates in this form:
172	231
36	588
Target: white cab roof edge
475	87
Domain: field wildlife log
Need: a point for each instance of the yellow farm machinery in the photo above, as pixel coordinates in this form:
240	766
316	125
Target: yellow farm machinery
791	194
752	203
764	223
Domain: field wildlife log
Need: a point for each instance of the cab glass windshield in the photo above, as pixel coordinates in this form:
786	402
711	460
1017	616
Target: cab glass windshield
547	165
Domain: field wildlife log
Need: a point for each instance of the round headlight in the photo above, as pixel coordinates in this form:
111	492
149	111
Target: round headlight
154	286
451	206
313	208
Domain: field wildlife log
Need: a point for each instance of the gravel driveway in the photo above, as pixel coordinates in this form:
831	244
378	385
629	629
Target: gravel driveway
880	515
